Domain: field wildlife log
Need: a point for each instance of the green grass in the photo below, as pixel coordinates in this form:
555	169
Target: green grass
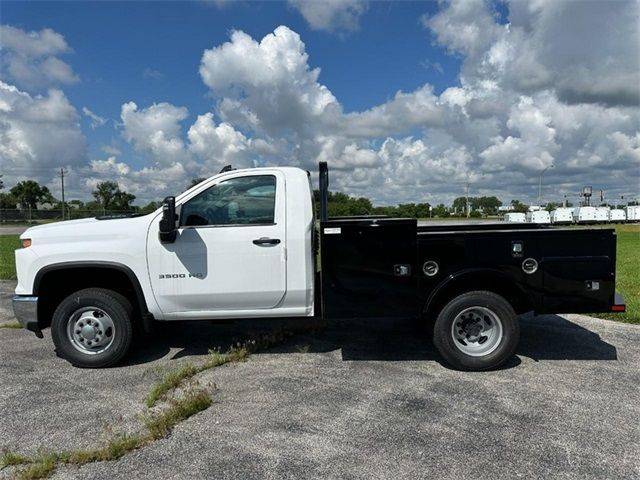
627	273
11	324
160	425
169	382
174	378
11	458
8	244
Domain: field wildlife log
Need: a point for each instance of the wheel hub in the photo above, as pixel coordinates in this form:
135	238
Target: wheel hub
90	330
477	331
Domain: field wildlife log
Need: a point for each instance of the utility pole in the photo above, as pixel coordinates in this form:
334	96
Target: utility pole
62	172
540	184
466	194
466	191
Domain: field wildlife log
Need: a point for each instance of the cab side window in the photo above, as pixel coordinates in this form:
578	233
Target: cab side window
237	201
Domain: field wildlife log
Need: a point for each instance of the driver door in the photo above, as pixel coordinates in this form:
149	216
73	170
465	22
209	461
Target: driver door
230	252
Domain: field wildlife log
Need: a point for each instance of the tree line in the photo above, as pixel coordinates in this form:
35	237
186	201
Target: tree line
29	194
341	204
108	196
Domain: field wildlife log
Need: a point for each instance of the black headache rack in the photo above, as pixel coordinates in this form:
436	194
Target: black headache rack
324	190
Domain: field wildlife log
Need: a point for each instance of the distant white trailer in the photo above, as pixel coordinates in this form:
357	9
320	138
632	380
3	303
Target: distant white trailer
633	213
515	217
539	216
617	215
602	214
562	216
584	215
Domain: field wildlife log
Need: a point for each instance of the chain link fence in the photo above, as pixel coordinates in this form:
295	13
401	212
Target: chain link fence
25	215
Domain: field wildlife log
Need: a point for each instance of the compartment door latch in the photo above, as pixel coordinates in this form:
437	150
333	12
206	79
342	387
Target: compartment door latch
402	270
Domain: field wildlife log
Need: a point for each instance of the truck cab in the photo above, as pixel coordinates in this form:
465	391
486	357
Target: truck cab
242	248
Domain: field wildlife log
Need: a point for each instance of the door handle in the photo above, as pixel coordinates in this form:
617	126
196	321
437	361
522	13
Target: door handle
266	241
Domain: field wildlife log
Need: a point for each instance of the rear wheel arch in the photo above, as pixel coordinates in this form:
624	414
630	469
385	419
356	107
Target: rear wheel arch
475	280
54	282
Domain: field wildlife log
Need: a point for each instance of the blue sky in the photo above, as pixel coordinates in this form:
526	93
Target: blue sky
115	43
492	92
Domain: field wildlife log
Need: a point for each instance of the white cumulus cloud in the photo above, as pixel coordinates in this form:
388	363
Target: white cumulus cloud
331	15
95	119
38	132
30	59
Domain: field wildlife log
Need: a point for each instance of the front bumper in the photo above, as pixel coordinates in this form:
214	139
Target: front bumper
25	308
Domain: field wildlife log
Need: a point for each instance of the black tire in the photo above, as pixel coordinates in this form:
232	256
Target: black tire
505	343
115	306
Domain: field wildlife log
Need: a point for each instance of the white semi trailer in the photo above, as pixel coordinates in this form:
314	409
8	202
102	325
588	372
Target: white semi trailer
633	213
584	215
515	217
539	216
602	214
617	215
562	216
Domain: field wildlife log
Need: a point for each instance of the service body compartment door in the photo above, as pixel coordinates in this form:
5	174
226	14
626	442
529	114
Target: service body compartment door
230	252
369	268
578	284
578	270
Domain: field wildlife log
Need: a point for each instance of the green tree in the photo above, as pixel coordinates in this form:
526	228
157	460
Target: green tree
519	207
93	206
342	205
489	205
104	193
109	196
440	211
150	207
196	181
29	193
8	201
122	201
552	206
460	203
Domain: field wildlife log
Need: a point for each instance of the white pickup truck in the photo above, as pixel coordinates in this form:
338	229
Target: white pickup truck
244	244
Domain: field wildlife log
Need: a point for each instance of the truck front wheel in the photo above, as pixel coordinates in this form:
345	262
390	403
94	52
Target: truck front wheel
476	331
92	328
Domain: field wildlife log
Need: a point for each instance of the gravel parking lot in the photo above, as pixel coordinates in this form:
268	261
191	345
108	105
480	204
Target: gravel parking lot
360	399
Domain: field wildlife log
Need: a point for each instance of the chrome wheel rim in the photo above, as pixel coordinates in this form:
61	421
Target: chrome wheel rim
90	330
477	331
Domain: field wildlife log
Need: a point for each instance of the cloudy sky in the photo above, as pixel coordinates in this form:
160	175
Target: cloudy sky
407	101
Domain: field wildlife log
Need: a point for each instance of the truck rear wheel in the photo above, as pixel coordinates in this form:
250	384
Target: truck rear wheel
92	328
477	331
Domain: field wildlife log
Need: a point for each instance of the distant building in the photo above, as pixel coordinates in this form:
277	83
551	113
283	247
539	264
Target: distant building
506	208
45	205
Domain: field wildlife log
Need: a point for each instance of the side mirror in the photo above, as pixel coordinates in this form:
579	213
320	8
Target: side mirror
168	231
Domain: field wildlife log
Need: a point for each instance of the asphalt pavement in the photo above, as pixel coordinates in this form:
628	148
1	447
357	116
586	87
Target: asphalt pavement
10	230
359	399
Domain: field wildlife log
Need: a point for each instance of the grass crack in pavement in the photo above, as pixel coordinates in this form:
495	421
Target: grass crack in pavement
194	399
